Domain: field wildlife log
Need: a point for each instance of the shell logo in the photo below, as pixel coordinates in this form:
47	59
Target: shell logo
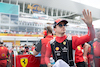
3	54
57	48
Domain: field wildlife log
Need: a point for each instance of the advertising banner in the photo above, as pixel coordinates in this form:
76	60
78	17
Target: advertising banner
9	8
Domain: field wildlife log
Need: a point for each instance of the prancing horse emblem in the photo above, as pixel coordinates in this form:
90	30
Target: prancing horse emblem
24	61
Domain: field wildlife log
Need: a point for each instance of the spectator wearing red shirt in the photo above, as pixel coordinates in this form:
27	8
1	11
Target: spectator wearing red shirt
81	53
60	49
4	55
95	49
41	46
33	47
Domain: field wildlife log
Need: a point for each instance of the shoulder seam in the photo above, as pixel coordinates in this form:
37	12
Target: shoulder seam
69	38
52	41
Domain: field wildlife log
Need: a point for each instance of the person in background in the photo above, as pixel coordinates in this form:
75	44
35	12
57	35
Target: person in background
33	47
95	54
41	46
29	47
22	49
5	45
26	49
12	48
25	45
61	47
81	53
4	55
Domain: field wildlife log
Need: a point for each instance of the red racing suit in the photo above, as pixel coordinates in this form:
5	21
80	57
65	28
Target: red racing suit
96	49
3	56
75	42
41	46
79	54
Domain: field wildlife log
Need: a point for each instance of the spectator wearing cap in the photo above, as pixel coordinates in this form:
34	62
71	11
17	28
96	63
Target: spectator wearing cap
95	48
61	47
4	55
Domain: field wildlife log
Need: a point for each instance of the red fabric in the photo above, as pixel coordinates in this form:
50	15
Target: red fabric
90	57
96	47
45	32
33	48
79	40
32	61
3	63
43	48
75	42
60	20
61	39
79	54
97	62
10	51
48	53
3	55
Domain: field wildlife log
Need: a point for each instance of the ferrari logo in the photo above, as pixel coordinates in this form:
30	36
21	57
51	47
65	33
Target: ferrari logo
2	48
78	47
3	54
24	62
94	46
64	43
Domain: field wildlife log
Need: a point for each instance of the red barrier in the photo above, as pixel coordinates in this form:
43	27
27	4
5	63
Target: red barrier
27	61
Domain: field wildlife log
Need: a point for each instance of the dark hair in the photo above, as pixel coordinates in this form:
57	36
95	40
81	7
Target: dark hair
26	47
1	42
34	44
49	29
25	44
54	25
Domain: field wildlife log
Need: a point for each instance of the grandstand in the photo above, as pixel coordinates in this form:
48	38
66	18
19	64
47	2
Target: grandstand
24	22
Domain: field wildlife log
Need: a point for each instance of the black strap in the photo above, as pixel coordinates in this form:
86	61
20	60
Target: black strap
70	52
71	62
92	50
38	46
91	44
4	59
97	57
43	65
52	48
